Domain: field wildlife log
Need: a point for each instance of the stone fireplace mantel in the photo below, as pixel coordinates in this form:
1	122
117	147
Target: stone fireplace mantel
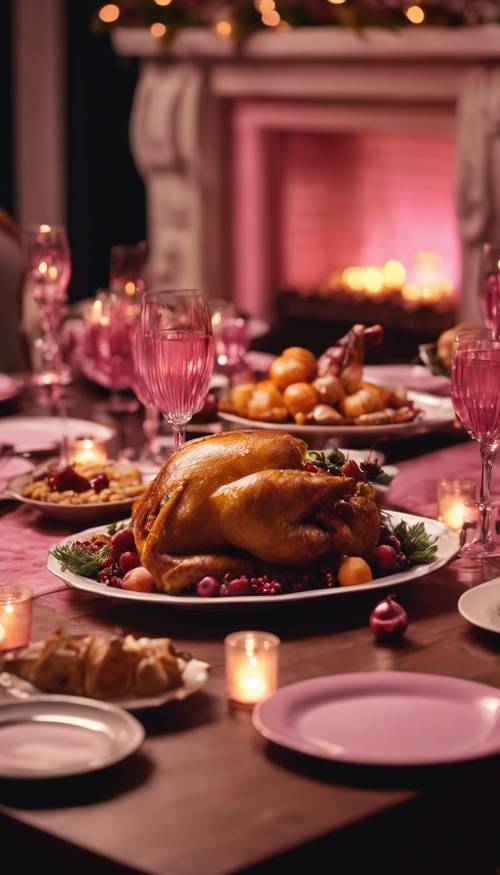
181	132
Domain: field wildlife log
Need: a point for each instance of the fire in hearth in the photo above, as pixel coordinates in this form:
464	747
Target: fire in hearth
425	284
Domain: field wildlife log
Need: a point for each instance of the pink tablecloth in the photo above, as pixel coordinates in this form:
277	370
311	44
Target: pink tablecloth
414	489
25	539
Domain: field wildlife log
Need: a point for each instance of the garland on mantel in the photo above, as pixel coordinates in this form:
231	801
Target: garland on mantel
238	18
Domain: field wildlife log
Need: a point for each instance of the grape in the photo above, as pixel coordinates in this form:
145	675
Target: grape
239	586
383	558
122	542
128	560
393	542
99	482
208	587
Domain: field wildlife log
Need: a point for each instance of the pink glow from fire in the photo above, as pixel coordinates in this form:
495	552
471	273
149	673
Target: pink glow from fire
361	199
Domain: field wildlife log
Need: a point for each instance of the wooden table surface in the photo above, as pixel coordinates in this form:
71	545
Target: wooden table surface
207	795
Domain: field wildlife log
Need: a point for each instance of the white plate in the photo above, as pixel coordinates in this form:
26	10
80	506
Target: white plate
480	605
194	676
9	387
79	513
447	548
28	433
438	412
58	736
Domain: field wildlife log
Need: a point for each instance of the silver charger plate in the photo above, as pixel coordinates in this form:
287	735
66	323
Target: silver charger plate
62	736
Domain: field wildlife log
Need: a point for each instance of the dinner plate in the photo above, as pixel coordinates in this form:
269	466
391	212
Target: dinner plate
384	718
59	736
480	605
437	413
10	387
28	433
194	677
76	513
447	548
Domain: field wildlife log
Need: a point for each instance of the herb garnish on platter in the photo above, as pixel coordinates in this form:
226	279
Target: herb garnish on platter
81	558
334	461
419	547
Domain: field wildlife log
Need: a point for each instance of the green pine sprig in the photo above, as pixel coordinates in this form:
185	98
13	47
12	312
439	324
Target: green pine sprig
81	560
419	547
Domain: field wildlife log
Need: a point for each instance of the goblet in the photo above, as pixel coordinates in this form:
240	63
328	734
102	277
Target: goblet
126	269
475	391
490	297
48	266
151	423
178	354
109	344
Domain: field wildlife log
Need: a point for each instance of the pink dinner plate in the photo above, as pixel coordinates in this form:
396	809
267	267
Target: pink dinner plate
384	718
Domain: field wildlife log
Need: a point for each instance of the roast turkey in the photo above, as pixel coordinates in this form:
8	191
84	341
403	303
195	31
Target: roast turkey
241	501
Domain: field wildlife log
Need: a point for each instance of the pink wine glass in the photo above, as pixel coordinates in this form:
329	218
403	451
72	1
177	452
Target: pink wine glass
151	423
491	287
178	354
475	391
48	267
127	265
111	345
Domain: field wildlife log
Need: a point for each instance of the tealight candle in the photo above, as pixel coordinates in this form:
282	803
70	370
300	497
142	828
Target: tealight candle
15	617
251	666
86	451
454	502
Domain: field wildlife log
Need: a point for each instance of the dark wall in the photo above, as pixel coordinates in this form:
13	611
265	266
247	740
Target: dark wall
105	192
6	123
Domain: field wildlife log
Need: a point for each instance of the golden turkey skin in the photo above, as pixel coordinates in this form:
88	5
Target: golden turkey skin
230	503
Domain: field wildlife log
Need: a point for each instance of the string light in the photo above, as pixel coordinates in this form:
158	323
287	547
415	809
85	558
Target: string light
223	29
336	2
163	2
109	13
264	6
415	14
271	19
45	229
158	29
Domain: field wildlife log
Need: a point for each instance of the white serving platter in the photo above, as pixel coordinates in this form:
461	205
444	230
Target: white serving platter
447	548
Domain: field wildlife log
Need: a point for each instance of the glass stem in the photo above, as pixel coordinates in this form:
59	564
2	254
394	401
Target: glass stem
151	427
488	454
179	435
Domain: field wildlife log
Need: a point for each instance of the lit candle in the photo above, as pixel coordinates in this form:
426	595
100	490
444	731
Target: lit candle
15	617
251	666
86	451
454	502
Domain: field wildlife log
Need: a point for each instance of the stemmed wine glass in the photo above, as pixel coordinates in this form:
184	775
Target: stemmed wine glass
151	423
127	265
475	391
109	344
48	265
178	354
490	298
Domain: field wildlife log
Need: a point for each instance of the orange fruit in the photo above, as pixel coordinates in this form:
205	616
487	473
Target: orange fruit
354	570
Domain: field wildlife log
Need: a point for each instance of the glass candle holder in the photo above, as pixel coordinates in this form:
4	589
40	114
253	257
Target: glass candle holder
455	500
15	617
86	451
251	666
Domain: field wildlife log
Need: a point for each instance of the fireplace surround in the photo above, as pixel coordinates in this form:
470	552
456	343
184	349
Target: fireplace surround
212	125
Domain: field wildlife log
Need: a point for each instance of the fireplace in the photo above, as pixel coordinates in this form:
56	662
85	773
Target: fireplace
347	211
288	172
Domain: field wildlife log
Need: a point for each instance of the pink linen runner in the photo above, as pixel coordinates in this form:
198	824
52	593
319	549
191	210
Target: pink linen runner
25	539
414	489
